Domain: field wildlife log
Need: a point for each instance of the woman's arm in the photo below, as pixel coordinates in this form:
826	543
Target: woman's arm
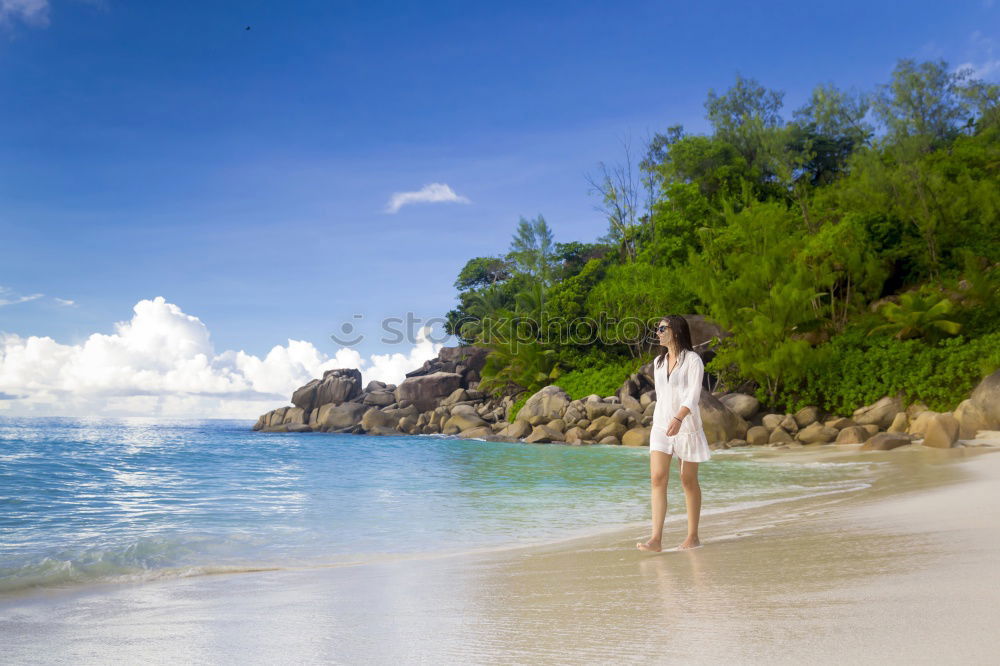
692	395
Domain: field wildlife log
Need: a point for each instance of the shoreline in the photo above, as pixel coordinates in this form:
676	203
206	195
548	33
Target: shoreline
797	574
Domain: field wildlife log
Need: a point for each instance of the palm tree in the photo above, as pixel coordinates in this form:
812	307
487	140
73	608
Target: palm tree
917	315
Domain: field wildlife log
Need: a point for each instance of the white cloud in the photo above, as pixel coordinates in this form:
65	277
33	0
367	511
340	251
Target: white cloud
433	193
64	301
983	63
392	368
8	297
162	363
32	12
981	70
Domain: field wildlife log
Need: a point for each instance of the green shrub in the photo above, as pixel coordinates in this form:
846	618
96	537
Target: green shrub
852	370
604	380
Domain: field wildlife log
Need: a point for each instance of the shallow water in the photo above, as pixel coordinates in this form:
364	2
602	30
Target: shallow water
85	500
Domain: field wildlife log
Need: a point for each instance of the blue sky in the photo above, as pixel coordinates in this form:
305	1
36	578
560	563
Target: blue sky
162	150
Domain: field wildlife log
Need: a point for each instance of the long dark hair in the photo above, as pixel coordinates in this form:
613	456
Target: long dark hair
682	333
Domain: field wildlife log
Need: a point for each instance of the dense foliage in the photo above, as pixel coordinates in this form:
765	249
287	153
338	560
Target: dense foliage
852	251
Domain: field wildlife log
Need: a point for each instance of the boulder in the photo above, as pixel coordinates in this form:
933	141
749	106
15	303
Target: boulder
598	409
546	405
971	419
941	431
772	421
986	396
806	416
899	423
636	437
376	422
463	417
758	436
573	414
853	435
610	439
885	441
779	436
789	425
295	416
458	395
517	429
557	424
305	396
612	429
480	432
598	423
337	386
426	391
400	412
541	434
881	413
573	435
379	398
918	425
471	356
817	433
744	406
621	415
297	427
408	424
840	423
719	422
277	416
628	402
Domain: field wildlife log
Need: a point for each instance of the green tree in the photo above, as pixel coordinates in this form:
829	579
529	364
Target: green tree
481	272
744	115
532	250
923	103
752	284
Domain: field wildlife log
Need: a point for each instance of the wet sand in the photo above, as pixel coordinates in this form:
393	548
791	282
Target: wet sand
905	571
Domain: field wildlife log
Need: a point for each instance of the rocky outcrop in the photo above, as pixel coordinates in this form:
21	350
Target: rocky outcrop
442	397
426	391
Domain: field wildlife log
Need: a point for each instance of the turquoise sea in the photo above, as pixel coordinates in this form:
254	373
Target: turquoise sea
126	499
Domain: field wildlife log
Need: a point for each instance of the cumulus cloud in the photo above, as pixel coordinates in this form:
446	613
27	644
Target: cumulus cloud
162	363
433	193
8	297
32	12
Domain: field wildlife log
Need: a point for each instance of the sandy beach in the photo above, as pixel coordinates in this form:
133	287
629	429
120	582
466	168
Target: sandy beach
904	571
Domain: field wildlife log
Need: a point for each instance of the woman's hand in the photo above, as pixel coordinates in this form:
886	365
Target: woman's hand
674	427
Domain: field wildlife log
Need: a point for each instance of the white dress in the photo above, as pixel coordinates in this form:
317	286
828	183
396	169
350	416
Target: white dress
682	387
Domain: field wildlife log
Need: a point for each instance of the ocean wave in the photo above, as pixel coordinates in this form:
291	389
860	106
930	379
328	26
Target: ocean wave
147	558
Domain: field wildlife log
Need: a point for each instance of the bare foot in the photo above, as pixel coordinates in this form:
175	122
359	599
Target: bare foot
650	546
690	542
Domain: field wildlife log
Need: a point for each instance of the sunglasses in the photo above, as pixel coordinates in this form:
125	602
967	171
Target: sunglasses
661	329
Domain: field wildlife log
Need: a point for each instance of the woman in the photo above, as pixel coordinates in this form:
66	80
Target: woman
677	428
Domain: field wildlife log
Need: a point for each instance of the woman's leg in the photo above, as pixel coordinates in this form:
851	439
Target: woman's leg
692	498
659	469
